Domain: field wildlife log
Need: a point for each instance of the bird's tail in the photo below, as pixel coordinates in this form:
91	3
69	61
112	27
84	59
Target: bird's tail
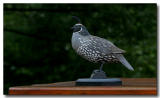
124	61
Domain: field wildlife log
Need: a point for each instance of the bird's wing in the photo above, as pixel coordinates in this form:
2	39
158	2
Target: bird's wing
105	46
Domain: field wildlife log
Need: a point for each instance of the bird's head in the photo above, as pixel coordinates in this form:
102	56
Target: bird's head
79	27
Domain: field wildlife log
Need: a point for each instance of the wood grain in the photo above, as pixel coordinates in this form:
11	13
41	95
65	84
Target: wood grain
130	86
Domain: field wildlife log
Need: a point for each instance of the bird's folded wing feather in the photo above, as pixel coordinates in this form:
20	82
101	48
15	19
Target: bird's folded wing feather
104	46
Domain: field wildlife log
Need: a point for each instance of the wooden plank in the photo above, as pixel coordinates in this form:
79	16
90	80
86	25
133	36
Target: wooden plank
139	82
83	91
126	82
131	86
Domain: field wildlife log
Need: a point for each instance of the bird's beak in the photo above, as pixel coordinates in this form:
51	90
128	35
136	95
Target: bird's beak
72	28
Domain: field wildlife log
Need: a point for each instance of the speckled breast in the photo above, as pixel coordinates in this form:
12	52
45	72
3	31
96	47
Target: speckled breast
92	54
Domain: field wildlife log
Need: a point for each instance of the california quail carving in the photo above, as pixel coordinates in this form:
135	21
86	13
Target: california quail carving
96	49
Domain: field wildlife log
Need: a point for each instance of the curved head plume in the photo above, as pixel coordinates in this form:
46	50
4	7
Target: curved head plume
76	18
79	28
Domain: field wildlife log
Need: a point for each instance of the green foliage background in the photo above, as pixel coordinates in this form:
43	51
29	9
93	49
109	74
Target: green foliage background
37	41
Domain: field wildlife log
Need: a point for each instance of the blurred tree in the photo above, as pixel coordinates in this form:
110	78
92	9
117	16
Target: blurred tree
37	46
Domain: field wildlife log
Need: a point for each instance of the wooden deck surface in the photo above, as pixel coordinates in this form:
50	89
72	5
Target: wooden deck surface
130	86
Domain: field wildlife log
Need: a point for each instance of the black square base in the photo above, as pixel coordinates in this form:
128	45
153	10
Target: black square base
99	82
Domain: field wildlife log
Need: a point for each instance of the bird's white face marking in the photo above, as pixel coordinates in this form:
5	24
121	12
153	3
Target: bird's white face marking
78	24
77	28
80	30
